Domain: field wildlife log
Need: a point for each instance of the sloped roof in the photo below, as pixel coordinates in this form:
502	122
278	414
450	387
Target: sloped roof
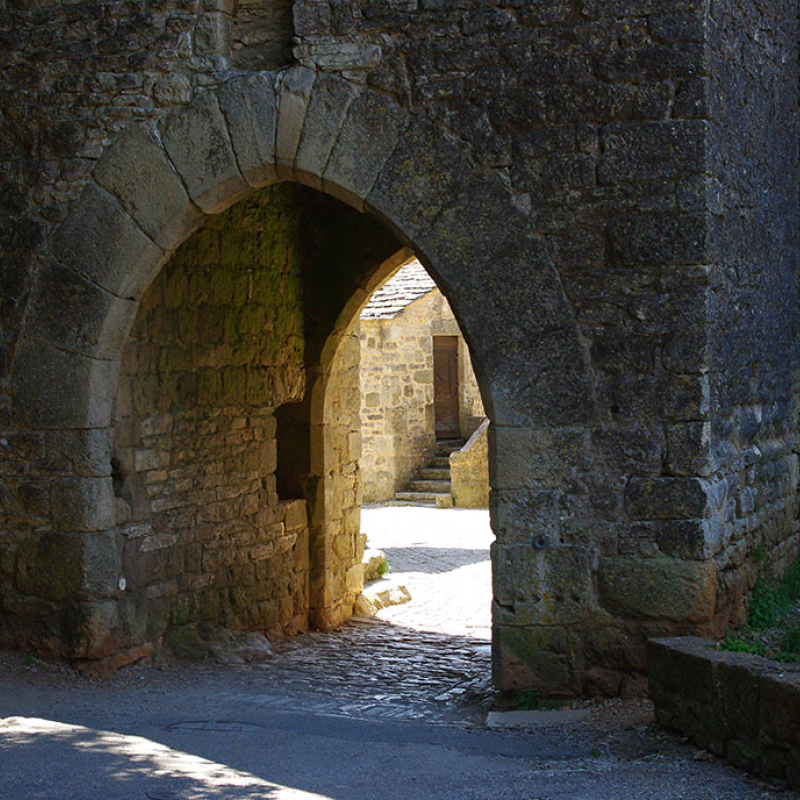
408	284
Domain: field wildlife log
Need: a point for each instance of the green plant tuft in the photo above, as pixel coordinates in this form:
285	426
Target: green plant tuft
383	569
736	644
758	554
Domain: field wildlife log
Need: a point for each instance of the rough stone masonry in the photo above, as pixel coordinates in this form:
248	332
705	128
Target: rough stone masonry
604	190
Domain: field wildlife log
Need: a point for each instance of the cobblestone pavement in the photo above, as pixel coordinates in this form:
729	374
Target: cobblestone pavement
428	659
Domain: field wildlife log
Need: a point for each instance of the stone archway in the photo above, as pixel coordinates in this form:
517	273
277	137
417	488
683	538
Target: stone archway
153	188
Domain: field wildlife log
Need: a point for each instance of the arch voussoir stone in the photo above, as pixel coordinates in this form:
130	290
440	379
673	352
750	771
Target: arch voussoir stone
56	388
327	105
208	165
249	106
418	179
100	240
369	134
136	170
294	92
74	313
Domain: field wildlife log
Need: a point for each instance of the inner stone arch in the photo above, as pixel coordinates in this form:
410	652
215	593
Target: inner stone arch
237	423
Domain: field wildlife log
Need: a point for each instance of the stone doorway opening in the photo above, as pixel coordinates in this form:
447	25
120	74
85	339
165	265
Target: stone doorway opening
425	488
154	186
236	423
237	442
424	430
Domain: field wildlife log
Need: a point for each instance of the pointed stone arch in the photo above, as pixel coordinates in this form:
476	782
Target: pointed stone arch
154	186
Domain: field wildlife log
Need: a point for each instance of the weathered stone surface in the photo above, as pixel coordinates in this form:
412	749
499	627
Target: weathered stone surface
548	585
136	171
82	504
50	566
411	173
658	588
370	130
99	240
530	658
294	91
57	389
741	707
327	106
651	150
209	167
248	104
667	498
72	312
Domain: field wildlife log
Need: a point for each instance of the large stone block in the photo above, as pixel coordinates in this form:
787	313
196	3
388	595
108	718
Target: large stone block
294	92
53	388
535	370
101	564
50	566
547	586
72	312
98	239
327	106
370	130
249	106
531	658
526	515
689	449
87	628
197	141
137	171
667	498
688	538
420	177
629	450
658	588
648	151
662	239
83	504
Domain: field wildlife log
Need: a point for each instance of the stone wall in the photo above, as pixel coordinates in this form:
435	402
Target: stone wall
397	412
469	470
740	707
605	191
748	441
216	347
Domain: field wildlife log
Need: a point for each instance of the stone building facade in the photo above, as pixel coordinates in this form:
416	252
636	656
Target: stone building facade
606	193
397	331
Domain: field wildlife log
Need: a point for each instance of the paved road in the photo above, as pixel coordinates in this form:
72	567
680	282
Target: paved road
373	711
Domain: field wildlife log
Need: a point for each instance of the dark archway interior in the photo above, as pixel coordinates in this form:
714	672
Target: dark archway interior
222	511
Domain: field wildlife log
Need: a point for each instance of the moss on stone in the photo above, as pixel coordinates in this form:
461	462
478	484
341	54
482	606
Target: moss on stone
184	642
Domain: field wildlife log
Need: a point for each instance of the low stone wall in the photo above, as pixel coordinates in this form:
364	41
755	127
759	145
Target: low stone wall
742	707
469	471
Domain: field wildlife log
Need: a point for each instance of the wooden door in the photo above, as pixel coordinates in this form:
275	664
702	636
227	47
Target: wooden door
445	387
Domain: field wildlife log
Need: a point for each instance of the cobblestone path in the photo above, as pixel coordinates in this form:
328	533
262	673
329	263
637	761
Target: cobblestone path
428	659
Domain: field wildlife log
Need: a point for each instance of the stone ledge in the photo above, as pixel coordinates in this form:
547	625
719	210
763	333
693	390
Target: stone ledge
741	707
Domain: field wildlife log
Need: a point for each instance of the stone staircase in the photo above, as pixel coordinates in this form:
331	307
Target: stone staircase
431	485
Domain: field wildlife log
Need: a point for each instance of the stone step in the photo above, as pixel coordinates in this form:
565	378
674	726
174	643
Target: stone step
438	499
439	462
438	487
446	446
434	474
